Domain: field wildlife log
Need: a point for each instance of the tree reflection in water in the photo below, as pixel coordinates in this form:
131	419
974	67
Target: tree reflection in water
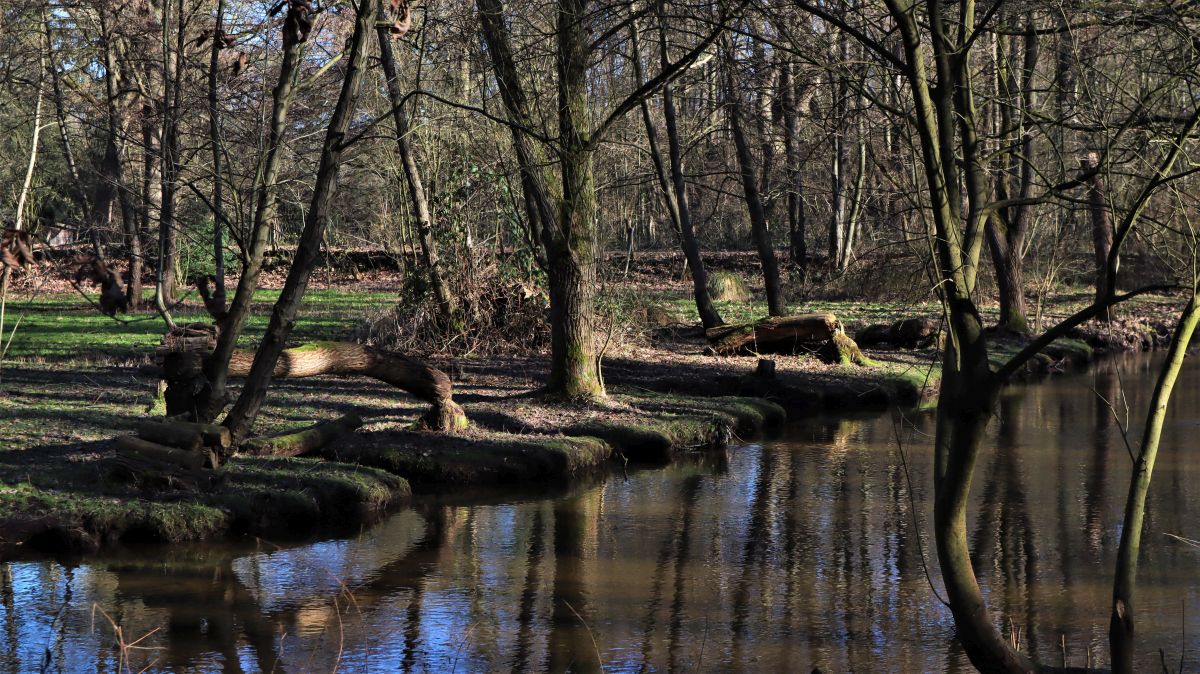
784	556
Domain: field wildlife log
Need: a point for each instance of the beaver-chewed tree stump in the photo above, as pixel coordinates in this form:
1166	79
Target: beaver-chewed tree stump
182	353
821	335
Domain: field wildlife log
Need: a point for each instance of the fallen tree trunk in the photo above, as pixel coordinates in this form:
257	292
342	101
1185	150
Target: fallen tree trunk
348	358
135	447
169	434
818	334
305	440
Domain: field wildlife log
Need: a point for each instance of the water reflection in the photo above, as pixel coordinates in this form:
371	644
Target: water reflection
785	556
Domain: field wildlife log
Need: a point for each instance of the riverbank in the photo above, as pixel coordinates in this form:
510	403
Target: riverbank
71	385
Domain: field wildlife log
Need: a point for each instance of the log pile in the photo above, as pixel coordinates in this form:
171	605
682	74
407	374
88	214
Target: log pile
821	335
171	453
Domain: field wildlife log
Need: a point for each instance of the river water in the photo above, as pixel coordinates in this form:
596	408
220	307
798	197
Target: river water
795	553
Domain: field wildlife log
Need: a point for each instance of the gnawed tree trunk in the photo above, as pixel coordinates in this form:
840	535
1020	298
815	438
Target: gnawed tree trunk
820	334
305	440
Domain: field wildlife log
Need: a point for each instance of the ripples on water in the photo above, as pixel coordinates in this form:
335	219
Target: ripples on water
793	554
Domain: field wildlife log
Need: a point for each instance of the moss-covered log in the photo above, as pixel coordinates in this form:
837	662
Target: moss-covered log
818	334
305	440
348	358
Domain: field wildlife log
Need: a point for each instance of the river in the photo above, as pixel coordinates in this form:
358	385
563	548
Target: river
795	553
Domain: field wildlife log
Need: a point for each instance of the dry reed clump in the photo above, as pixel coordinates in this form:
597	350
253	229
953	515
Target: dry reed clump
497	313
726	286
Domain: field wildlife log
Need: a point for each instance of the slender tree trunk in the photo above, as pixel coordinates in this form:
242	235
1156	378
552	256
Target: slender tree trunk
412	176
856	208
758	217
217	304
534	187
797	222
283	316
1102	230
840	158
670	181
1121	622
164	292
216	367
19	219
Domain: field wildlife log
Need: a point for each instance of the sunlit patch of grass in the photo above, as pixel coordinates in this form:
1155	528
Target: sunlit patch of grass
63	327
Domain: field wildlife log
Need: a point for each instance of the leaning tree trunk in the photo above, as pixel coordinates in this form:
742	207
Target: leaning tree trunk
283	317
412	176
1121	622
670	181
758	216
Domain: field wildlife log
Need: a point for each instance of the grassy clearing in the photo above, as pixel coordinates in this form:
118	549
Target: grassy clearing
62	328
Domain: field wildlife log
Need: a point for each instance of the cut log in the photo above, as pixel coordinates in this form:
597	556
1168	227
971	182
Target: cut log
162	430
305	440
348	358
138	448
170	434
818	334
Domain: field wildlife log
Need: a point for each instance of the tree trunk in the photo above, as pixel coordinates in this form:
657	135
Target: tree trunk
797	222
671	181
164	293
412	176
283	316
1102	231
1121	622
570	249
305	440
758	217
216	305
216	366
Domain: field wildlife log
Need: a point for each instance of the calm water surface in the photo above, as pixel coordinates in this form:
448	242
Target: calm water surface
797	553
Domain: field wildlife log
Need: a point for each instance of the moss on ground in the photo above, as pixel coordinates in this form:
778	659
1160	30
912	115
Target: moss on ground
428	459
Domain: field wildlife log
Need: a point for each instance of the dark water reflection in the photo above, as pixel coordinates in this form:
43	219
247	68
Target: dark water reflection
796	553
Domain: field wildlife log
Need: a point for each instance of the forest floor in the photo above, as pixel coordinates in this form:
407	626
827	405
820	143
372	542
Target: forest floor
69	383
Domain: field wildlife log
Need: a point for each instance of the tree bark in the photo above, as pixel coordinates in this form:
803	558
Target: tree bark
241	417
571	246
